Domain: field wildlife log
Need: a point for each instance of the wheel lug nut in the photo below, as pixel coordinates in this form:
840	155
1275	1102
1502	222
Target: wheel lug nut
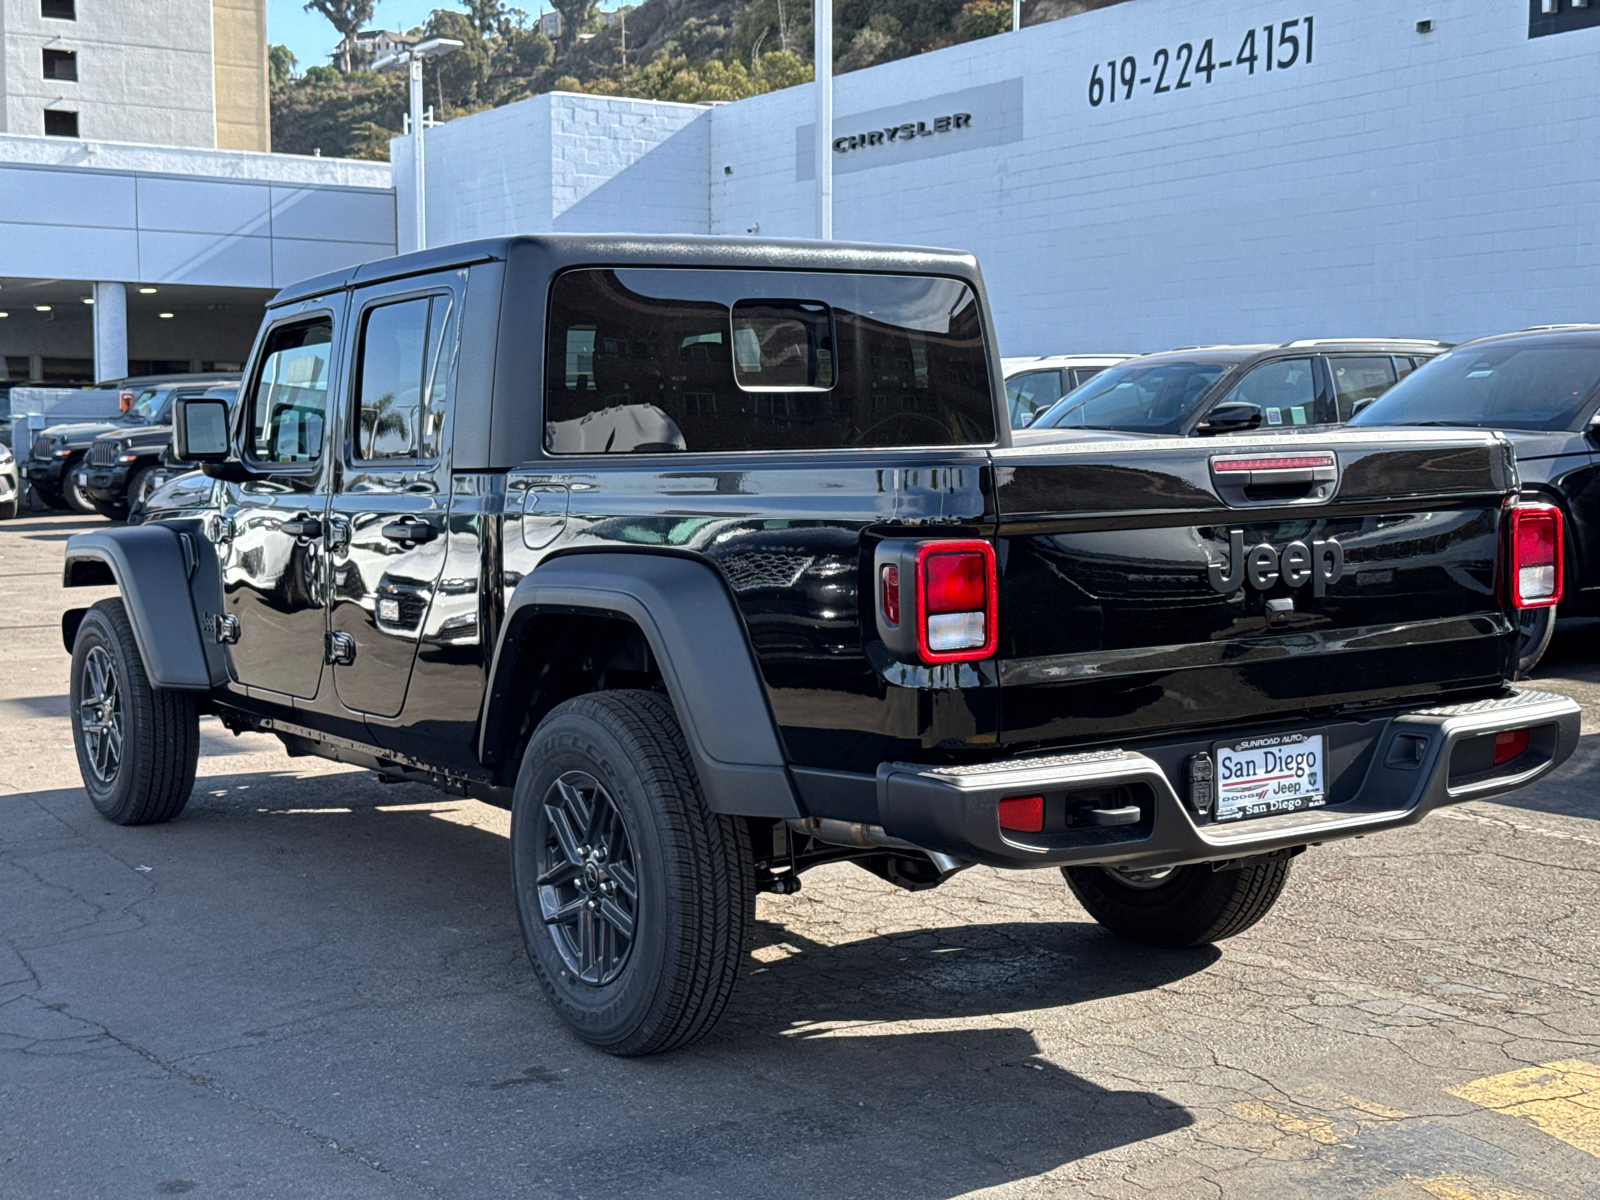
600	853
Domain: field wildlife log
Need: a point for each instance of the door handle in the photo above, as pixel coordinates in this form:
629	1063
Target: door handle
302	527
410	531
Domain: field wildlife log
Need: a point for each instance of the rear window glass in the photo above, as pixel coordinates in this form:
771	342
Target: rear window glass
1155	398
1506	386
673	361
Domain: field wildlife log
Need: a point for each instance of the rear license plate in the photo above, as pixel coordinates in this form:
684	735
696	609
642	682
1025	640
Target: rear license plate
1260	777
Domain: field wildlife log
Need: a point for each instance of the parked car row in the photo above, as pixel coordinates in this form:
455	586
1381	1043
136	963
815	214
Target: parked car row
1199	390
1539	387
108	467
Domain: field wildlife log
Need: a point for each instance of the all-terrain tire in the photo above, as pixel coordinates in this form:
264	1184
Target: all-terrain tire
691	873
145	772
1191	906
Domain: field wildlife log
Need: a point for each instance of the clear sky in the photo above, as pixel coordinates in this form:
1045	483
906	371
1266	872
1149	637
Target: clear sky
312	39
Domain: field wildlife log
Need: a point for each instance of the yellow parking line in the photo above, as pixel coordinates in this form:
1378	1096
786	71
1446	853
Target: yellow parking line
1466	1187
1560	1098
1314	1128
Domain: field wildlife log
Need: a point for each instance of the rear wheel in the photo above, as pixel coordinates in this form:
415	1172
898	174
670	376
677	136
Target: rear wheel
634	897
137	745
1177	907
1537	626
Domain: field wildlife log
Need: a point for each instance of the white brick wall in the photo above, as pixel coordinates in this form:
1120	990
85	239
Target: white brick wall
1441	185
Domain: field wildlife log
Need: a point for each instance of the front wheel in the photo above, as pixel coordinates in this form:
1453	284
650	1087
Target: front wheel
137	745
75	494
1178	907
634	898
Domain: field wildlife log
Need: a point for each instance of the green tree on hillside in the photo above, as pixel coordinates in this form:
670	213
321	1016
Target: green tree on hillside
576	17
348	17
281	63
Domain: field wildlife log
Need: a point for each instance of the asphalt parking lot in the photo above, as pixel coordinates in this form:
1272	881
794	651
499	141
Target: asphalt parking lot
312	984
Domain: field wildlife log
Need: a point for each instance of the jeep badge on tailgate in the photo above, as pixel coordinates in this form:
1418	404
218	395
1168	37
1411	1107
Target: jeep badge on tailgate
1319	564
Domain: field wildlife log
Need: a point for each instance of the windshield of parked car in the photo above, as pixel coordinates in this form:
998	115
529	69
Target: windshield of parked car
1506	385
1154	398
145	406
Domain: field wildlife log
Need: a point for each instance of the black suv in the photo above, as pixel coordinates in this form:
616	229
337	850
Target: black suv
122	467
1234	389
713	561
1541	388
51	466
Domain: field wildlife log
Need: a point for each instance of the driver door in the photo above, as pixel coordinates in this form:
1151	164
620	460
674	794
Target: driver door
271	538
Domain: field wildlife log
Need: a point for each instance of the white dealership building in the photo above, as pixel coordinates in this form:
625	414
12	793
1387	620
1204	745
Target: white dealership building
1150	174
1422	168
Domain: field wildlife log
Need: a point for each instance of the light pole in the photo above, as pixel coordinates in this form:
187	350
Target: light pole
414	56
822	55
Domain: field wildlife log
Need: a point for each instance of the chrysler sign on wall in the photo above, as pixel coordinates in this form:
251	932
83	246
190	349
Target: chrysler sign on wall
966	120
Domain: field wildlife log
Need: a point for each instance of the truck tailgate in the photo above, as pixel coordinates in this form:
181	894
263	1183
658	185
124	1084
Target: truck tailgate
1124	603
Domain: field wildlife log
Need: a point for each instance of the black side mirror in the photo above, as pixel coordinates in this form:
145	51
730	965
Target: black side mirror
200	430
1233	417
1362	405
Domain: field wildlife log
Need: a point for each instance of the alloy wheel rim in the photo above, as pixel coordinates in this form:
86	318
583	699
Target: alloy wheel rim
587	880
100	714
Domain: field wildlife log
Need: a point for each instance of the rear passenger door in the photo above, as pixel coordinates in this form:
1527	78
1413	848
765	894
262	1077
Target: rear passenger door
388	515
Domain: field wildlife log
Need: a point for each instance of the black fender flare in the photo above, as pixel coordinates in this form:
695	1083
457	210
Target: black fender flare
686	614
151	567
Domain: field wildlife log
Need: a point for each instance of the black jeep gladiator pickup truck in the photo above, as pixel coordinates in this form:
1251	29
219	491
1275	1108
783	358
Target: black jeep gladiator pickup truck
712	561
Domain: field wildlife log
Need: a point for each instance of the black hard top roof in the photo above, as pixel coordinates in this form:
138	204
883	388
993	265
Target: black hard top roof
558	251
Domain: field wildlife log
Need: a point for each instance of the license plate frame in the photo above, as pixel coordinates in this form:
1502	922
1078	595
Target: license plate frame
1270	775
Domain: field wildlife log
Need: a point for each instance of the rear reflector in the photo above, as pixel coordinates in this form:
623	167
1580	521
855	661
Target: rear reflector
1271	462
1509	745
1022	814
889	590
1536	552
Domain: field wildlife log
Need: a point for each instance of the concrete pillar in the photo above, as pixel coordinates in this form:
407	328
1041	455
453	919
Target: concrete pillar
110	331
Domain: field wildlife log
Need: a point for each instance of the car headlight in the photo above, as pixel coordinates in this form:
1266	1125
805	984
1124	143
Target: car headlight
5	453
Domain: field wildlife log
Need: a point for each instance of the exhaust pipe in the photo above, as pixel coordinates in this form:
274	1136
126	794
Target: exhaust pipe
867	837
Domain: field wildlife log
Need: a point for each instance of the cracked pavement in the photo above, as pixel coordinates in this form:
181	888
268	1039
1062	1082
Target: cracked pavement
313	984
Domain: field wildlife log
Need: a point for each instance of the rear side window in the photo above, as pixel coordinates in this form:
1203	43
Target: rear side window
401	387
289	403
674	361
1029	395
1358	379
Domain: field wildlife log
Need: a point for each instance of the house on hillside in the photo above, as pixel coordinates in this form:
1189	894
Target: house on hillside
369	45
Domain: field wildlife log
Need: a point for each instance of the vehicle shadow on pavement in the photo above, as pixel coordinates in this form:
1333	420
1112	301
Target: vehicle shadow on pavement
882	1066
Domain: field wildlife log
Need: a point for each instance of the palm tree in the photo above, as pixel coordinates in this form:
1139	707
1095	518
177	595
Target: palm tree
378	419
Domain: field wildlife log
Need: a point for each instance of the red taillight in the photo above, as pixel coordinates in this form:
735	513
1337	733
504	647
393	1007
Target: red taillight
956	601
1535	555
1022	814
889	591
1509	744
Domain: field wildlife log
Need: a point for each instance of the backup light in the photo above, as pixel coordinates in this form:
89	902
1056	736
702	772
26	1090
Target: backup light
1536	575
